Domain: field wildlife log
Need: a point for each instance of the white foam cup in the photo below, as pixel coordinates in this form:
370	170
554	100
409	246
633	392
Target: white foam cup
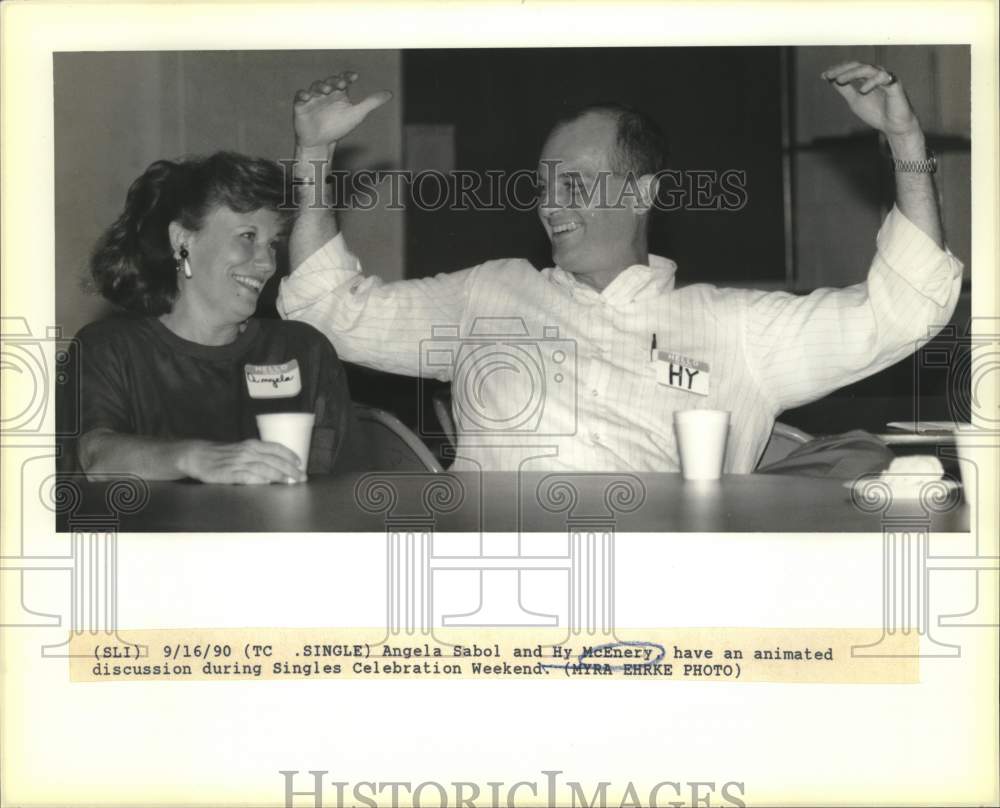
291	429
701	442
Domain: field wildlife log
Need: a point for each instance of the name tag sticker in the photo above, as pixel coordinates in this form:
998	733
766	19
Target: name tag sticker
274	381
682	373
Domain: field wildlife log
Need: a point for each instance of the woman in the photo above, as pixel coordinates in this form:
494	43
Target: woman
172	389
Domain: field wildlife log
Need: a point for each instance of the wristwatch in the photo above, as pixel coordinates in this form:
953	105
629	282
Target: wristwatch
926	166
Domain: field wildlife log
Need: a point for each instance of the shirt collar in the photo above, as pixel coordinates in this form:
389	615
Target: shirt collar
637	282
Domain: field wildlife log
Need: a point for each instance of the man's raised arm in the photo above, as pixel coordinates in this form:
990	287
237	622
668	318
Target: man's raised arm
369	322
323	115
803	347
874	95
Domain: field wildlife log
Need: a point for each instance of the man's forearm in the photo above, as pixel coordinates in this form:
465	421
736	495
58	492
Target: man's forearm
916	196
316	222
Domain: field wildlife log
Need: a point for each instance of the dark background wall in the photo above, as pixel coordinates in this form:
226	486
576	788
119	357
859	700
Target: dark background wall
719	106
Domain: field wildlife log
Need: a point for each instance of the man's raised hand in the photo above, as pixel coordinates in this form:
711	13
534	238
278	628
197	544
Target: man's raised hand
875	96
324	113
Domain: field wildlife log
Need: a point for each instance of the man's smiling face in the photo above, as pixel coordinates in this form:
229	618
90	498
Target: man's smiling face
595	231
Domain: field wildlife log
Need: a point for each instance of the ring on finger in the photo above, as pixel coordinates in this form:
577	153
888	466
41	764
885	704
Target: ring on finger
892	78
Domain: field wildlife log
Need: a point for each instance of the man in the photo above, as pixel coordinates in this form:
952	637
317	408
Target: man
556	369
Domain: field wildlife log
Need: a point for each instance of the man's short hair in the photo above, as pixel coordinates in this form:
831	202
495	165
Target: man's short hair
642	143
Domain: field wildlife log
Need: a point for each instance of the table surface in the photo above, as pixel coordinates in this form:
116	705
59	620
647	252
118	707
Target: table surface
510	502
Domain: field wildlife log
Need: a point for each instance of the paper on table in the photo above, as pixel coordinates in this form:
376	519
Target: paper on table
922	427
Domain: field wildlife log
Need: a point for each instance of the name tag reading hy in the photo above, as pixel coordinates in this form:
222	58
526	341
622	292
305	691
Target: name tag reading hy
274	381
682	373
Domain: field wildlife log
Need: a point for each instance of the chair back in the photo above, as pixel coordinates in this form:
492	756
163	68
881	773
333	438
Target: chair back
784	440
390	445
442	410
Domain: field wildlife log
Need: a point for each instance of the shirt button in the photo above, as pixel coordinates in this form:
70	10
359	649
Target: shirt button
594	393
595	437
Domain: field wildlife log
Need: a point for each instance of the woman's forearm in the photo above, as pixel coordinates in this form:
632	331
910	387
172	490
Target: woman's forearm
251	461
103	451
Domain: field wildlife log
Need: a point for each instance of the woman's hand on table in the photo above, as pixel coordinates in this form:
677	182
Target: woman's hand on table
249	462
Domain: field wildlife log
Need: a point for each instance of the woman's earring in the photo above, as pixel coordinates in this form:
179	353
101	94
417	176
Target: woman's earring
183	263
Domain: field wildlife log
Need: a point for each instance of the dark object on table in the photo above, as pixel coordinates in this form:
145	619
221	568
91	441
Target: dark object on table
843	457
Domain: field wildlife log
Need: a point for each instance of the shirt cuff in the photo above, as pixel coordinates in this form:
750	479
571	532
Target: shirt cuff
911	253
316	277
332	256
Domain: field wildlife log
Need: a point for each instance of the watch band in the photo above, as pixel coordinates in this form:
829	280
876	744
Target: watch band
925	166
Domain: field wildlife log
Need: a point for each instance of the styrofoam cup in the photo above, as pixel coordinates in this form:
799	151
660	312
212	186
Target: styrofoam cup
701	442
291	429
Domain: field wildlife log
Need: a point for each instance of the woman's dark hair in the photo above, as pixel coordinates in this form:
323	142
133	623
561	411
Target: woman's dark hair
133	264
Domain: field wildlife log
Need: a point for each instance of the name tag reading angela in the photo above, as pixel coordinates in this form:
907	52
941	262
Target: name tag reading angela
682	373
274	381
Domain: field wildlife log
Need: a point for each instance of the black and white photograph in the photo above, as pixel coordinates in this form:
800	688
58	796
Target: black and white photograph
515	404
496	273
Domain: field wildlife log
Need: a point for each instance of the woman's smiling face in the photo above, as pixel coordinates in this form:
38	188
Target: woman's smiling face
231	258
